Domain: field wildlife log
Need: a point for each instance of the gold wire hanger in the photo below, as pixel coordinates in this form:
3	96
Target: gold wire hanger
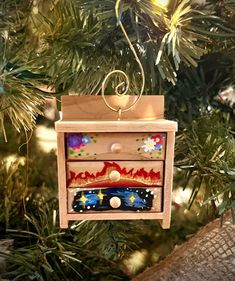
126	82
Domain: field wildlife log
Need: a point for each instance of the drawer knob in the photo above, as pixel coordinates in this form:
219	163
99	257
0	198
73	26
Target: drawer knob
115	202
116	147
114	176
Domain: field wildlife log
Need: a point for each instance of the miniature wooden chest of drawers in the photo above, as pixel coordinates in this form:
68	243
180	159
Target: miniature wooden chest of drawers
110	169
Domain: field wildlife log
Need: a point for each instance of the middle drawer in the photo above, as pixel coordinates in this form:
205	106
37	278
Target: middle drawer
115	173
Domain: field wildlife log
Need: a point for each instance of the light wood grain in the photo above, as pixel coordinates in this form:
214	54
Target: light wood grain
130	147
94	108
157	201
116	126
125	215
95	174
88	114
61	164
168	180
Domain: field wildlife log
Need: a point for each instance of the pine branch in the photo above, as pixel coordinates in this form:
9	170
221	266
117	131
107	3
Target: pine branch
77	52
206	153
75	43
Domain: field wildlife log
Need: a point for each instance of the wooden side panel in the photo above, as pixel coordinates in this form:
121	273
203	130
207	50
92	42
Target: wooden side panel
116	126
115	146
61	164
94	200
94	108
168	180
115	174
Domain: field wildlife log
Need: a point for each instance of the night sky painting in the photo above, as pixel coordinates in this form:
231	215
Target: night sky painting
132	199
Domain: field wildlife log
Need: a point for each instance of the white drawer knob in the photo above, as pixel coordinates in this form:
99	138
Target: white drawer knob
116	147
114	176
115	202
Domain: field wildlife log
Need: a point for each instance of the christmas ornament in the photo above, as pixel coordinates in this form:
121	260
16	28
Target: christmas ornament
114	169
115	166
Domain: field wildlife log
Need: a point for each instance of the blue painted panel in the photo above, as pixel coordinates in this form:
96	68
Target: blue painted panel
132	199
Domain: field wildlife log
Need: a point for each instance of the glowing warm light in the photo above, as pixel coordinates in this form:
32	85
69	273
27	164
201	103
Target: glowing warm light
161	2
181	196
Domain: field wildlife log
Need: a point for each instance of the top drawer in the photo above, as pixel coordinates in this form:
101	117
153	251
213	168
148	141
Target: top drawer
116	146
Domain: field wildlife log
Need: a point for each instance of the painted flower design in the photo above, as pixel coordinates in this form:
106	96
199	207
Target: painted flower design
149	145
158	141
75	141
86	140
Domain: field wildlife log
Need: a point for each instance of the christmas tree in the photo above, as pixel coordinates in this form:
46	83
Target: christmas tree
54	47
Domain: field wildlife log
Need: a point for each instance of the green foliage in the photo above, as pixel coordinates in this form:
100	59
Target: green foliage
39	174
205	154
91	248
195	93
117	242
72	44
36	262
13	20
14	141
23	176
13	192
82	51
44	252
19	100
78	46
52	254
19	104
20	191
41	250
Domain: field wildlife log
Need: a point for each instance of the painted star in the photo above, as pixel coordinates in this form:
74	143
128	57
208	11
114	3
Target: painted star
83	199
132	198
101	196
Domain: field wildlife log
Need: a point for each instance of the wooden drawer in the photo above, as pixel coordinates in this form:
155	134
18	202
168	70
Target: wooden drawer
116	146
114	174
110	169
114	199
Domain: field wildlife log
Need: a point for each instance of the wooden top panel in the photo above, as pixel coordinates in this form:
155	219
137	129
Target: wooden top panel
94	108
116	126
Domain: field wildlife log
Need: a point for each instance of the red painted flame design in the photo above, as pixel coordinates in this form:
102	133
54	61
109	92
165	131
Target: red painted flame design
129	178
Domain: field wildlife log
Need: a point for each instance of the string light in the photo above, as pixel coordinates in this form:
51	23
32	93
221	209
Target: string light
163	3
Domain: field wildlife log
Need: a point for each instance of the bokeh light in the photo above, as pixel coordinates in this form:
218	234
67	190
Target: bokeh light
161	2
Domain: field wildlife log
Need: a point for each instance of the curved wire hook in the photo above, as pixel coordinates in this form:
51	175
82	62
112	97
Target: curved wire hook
126	81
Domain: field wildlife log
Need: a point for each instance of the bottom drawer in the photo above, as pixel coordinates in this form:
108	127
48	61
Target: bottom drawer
114	199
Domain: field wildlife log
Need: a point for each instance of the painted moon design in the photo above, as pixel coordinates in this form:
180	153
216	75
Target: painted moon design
115	202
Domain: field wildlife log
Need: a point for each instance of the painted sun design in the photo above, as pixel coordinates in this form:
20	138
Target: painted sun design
132	177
